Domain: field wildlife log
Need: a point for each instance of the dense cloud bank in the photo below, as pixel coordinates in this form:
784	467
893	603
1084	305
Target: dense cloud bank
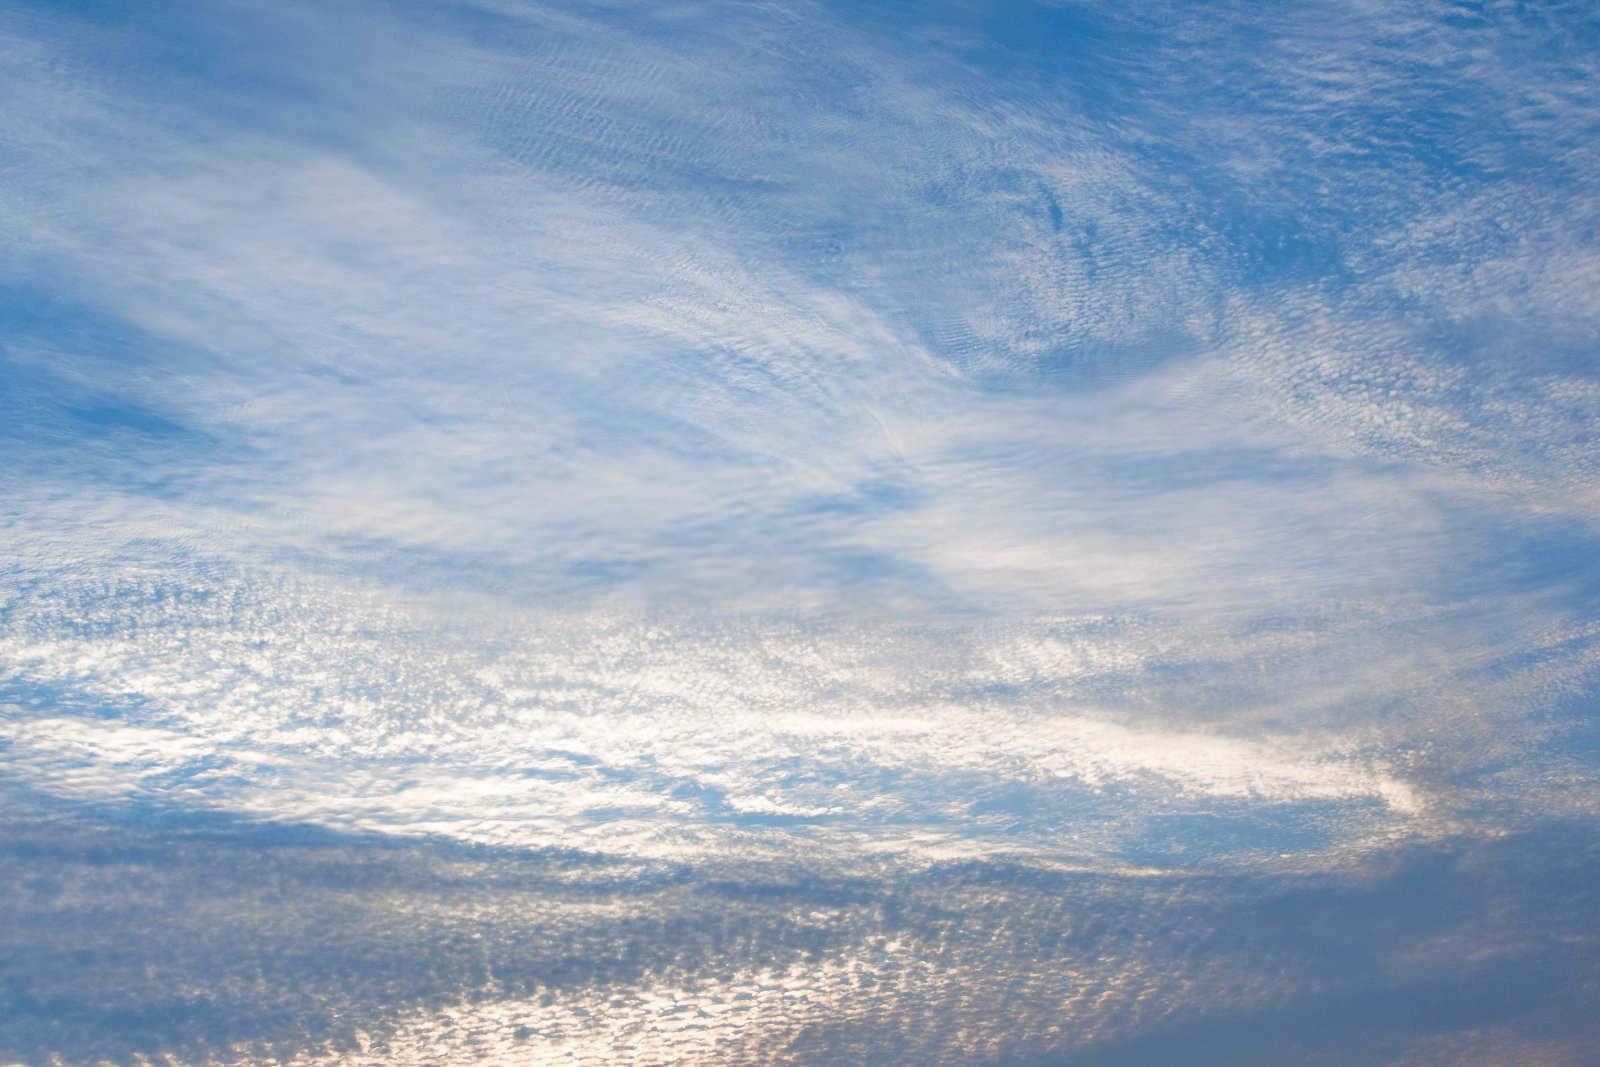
128	936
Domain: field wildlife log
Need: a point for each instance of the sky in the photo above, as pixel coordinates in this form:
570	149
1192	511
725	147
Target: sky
803	533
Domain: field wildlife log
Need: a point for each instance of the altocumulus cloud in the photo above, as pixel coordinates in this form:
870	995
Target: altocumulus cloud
699	533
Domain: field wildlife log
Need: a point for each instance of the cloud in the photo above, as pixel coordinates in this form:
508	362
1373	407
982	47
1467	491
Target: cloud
210	940
672	448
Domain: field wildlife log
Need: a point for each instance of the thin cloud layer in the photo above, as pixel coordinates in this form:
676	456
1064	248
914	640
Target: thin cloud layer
1016	533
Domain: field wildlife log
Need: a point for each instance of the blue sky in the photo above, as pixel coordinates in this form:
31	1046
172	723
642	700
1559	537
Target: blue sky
976	533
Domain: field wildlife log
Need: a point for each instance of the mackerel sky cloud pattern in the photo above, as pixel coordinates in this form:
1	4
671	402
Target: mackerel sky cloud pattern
994	533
